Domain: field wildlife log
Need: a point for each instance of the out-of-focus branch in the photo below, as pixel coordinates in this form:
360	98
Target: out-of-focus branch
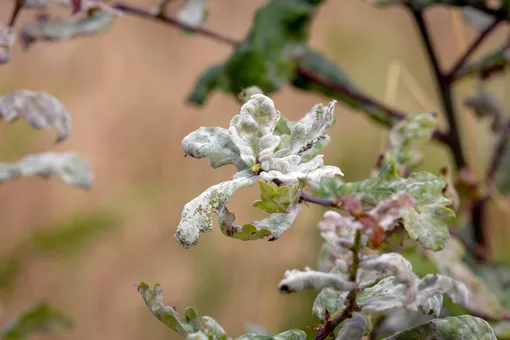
445	91
452	74
174	22
18	4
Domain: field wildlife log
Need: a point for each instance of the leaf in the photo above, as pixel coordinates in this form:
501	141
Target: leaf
407	136
335	83
452	328
67	167
41	317
375	268
53	29
328	188
271	228
40	109
7	39
293	334
193	12
328	300
297	281
215	143
492	63
485	104
477	18
483	297
277	200
252	130
427	222
266	58
353	328
190	324
196	216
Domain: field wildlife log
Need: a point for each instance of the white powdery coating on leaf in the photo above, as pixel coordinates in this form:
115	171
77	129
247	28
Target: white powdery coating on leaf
390	264
40	109
297	281
290	172
390	210
7	39
197	215
258	117
433	284
67	166
353	329
193	12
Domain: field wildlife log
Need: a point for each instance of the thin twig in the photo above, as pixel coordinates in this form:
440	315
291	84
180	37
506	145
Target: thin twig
174	22
445	91
452	74
392	113
498	154
317	200
18	5
351	305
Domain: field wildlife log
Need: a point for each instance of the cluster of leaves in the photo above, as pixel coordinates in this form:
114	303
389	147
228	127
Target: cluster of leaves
360	278
264	147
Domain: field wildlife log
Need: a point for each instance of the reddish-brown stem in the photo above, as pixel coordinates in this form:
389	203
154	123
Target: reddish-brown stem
18	5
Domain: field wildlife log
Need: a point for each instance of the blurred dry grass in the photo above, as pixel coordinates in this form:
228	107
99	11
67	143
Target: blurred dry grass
126	92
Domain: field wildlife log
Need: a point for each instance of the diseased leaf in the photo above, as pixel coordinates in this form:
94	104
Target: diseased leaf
407	136
464	327
426	222
40	109
353	328
329	299
41	317
215	143
266	58
271	228
297	281
277	200
193	12
67	167
246	94
7	39
196	216
375	268
53	29
483	298
252	129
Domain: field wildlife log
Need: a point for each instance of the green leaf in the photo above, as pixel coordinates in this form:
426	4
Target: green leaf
40	109
452	328
49	29
42	317
427	222
196	216
266	59
328	188
190	324
205	84
492	63
336	84
270	228
329	299
486	105
215	143
277	200
407	136
293	334
67	167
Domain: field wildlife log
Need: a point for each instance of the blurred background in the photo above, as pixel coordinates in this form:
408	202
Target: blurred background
126	89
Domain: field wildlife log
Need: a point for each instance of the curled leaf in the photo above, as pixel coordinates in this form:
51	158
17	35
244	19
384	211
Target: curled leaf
7	39
197	215
67	167
353	328
297	281
52	29
40	109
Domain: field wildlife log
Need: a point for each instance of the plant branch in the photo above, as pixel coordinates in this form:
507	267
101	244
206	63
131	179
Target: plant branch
444	91
393	114
174	22
451	76
317	200
498	154
351	306
18	5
